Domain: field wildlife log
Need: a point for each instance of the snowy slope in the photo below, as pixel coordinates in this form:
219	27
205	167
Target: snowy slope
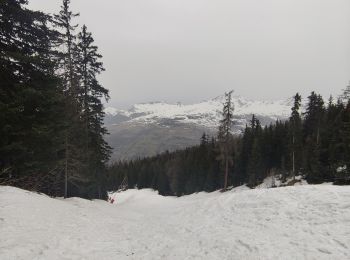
301	222
206	113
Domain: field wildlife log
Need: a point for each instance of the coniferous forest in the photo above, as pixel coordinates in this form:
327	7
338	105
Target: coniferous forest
51	112
52	131
314	142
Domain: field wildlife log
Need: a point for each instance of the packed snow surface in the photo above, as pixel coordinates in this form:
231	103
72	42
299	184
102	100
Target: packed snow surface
300	222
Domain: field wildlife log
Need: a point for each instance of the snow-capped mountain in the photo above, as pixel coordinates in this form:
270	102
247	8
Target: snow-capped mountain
159	126
205	113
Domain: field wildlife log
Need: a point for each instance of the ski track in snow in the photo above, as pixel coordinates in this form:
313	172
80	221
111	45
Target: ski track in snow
301	222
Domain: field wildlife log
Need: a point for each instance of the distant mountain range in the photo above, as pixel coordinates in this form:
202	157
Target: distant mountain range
150	128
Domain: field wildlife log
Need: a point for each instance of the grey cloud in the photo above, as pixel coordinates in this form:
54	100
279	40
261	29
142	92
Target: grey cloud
189	50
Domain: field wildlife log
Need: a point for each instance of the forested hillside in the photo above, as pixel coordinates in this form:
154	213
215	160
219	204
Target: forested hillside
314	143
52	135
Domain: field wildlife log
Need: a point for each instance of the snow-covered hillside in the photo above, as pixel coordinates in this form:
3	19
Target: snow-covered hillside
301	222
206	113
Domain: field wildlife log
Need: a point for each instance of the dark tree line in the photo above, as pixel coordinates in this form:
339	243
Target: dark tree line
314	143
51	114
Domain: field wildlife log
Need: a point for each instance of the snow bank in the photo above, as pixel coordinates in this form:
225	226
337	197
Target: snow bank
275	181
301	222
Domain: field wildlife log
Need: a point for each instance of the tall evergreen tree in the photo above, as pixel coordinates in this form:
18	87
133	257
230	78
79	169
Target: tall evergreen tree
63	21
312	132
254	165
47	98
30	100
73	141
96	150
295	140
313	117
225	136
334	147
344	164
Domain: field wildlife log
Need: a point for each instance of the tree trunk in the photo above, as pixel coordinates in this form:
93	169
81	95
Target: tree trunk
293	157
226	174
66	169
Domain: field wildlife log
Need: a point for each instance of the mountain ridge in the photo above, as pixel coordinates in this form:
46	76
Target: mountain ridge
205	113
154	127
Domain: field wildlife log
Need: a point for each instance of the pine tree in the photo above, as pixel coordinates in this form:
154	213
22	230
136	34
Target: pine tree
296	134
344	164
313	116
254	163
334	146
96	150
254	166
225	136
73	142
30	100
204	139
312	132
63	21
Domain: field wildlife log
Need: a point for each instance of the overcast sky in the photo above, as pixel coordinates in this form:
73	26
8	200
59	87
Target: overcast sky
190	50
